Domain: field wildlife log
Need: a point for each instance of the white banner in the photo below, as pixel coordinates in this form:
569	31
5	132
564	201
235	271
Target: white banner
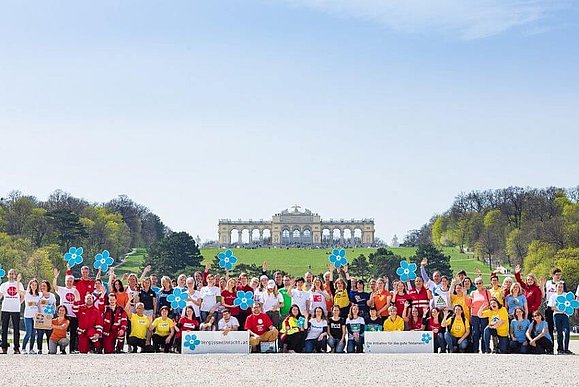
215	342
399	342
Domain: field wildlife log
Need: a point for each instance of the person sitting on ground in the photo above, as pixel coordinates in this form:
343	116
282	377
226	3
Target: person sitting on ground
58	336
209	323
260	327
228	322
540	340
292	332
457	330
393	322
355	325
162	330
518	332
337	331
317	337
373	321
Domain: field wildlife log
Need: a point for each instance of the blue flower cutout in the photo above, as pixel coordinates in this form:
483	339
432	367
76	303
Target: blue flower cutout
191	341
426	338
103	261
74	256
244	299
178	299
49	309
2	272
406	271
567	303
227	259
338	257
301	322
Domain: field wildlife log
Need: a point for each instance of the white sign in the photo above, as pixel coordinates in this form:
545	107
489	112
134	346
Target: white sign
214	342
399	342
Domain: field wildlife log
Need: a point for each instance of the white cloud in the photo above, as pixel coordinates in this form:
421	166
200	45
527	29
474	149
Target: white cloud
470	19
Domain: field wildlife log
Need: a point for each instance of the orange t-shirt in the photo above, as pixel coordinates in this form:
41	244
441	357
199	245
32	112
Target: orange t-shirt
330	302
59	329
380	300
122	299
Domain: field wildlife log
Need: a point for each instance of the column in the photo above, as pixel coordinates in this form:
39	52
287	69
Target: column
342	237
261	236
250	236
239	241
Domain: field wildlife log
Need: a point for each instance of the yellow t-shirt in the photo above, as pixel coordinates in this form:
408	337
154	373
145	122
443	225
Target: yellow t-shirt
495	315
396	325
458	329
139	326
498	294
341	298
462	301
163	327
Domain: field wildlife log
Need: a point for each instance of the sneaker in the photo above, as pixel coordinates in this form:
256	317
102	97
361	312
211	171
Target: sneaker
4	351
74	352
568	352
17	351
39	352
62	352
25	351
560	352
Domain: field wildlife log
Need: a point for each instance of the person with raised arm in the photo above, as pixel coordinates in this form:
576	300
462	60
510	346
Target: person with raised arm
140	323
84	284
433	283
531	290
12	295
457	330
341	291
68	295
380	299
498	325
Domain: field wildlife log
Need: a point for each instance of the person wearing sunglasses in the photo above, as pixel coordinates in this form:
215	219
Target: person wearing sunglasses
540	341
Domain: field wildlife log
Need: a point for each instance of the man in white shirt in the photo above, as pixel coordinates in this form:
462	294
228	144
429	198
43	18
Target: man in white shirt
300	297
228	322
68	295
12	295
550	289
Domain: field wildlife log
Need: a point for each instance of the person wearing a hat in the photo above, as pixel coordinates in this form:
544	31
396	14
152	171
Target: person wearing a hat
272	302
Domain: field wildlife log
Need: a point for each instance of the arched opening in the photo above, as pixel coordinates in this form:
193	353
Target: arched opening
307	237
255	239
296	236
348	236
234	236
326	236
357	236
285	236
245	236
336	235
266	237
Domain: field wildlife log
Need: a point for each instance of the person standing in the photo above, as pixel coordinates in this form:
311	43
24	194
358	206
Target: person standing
549	288
12	295
30	309
561	321
114	325
68	295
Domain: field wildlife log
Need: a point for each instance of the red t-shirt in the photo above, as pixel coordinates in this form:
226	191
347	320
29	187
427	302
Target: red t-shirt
186	325
432	324
245	288
228	298
258	324
415	324
400	301
83	286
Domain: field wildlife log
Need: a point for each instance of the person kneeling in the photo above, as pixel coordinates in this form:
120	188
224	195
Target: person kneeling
458	330
260	327
58	337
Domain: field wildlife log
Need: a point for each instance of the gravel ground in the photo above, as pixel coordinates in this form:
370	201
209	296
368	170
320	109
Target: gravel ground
278	369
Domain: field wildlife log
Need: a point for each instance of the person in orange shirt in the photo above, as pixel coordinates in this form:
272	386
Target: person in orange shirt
59	327
381	298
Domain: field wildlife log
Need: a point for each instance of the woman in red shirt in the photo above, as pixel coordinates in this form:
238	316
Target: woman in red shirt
186	323
531	290
399	297
412	317
434	324
228	296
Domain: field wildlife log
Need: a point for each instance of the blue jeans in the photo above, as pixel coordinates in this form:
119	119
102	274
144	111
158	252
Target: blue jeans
336	345
562	326
315	345
356	346
39	335
452	342
439	343
517	347
503	340
30	333
478	326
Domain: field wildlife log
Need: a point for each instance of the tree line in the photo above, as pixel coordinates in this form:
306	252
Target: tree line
34	234
535	228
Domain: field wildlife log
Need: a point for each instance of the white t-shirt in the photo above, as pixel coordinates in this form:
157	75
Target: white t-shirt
553	303
550	289
270	300
231	323
11	296
316	328
195	296
440	299
209	295
317	298
30	305
66	296
299	298
45	301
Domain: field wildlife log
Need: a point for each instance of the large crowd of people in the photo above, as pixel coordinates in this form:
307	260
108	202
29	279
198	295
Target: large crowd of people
303	314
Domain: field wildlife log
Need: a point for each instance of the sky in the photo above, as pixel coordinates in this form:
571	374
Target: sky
202	110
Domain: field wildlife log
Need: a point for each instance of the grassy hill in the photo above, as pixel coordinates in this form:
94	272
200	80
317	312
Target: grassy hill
298	261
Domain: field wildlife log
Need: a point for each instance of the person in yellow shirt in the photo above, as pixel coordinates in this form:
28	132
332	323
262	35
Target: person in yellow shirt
140	324
393	322
498	324
162	331
496	291
458	329
460	298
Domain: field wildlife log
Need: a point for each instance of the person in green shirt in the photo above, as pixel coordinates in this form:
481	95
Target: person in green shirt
287	299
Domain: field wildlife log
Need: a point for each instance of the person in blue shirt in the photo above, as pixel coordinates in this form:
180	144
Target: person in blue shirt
518	332
359	297
540	340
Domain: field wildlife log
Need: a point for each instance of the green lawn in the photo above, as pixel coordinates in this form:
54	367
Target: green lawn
298	261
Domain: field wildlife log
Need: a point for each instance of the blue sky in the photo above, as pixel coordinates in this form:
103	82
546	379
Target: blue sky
207	110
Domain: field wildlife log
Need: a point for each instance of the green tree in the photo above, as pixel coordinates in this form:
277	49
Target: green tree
174	253
69	229
540	259
360	267
383	262
436	259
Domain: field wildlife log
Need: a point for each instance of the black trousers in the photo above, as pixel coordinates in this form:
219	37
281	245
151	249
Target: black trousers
159	341
550	320
136	342
72	328
15	317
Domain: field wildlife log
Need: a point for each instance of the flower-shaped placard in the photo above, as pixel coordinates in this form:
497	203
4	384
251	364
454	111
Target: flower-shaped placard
426	337
103	261
227	259
567	303
2	272
49	309
191	341
338	257
178	299
244	299
301	322
74	256
406	271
